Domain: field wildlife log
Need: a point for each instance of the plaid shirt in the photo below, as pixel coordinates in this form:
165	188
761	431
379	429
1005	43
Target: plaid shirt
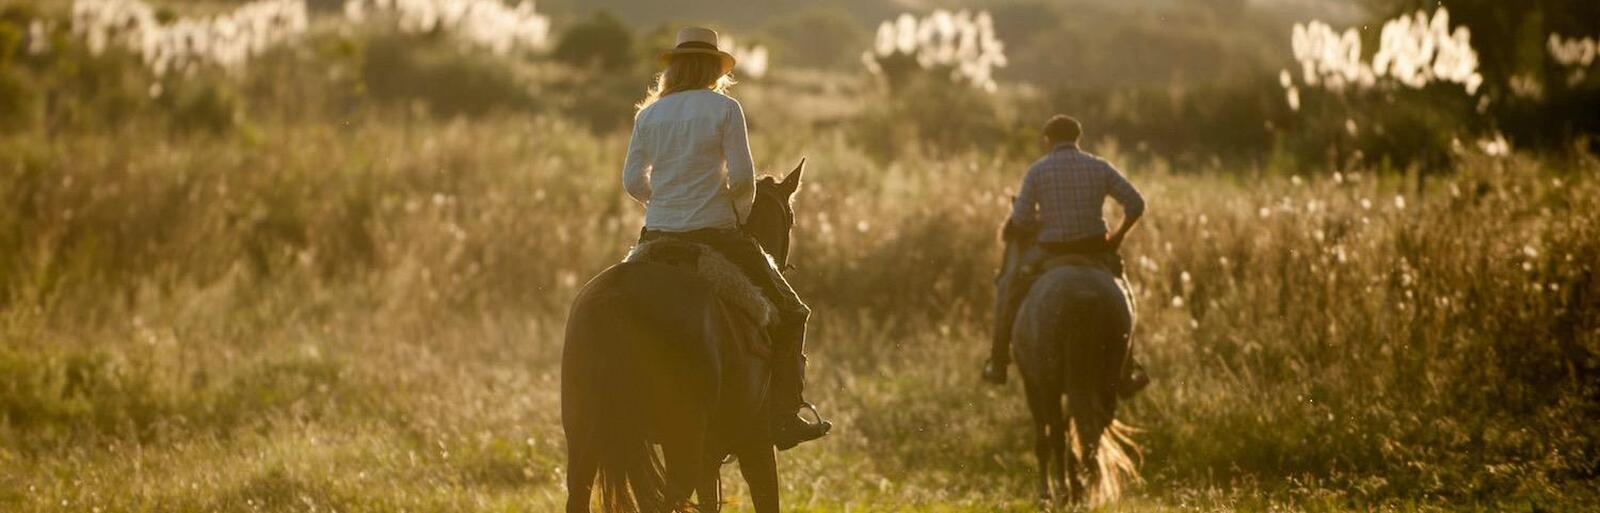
1064	192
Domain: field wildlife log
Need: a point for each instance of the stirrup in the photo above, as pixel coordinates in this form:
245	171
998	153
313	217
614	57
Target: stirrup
807	406
817	429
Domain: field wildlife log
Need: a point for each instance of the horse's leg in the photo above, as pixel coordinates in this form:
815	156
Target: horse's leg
581	468
1060	452
1089	419
1041	451
685	462
1046	415
710	489
759	465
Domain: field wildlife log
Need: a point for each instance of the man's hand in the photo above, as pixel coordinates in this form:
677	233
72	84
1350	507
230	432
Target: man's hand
1115	240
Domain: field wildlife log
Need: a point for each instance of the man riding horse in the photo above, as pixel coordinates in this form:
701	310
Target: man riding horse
1060	206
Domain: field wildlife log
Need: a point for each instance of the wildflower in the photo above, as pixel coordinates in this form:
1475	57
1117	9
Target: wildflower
1497	146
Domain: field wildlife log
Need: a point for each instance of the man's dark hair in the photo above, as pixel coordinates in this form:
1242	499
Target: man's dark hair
1063	128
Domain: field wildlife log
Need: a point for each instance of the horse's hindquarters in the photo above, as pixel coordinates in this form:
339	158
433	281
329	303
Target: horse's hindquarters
1074	325
653	357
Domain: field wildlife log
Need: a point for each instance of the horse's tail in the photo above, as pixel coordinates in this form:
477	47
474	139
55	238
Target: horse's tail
632	478
604	404
1115	454
1091	320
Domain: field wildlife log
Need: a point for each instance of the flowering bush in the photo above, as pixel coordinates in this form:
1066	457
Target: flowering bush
1576	54
488	24
228	40
1413	51
963	42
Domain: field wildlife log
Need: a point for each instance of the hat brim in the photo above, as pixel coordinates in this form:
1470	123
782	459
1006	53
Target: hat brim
728	61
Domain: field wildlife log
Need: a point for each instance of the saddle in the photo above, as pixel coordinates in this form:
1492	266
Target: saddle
1108	262
726	279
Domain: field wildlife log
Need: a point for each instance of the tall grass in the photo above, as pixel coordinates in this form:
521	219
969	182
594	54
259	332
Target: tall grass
367	318
348	294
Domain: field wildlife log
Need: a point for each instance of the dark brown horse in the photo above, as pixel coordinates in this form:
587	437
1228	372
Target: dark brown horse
1070	339
654	358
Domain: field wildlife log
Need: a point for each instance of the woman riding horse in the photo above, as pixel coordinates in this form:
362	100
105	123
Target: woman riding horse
689	163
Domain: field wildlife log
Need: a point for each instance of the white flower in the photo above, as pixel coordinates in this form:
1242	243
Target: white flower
488	24
962	41
1413	50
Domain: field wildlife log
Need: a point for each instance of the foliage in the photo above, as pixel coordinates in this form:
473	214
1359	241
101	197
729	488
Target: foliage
818	38
931	114
401	69
601	40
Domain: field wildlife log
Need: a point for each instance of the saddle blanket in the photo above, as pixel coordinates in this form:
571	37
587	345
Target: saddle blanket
726	279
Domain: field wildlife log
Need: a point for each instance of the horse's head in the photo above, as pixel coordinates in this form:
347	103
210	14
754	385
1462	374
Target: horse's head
772	216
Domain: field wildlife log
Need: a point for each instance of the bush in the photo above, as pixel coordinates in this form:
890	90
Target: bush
601	41
208	106
402	69
818	38
935	115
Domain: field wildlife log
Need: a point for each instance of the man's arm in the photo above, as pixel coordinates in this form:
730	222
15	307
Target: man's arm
1132	204
1024	209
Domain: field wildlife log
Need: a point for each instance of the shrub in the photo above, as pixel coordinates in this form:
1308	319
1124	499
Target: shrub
401	69
935	115
601	41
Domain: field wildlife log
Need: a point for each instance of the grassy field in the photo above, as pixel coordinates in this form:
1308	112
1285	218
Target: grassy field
368	318
337	280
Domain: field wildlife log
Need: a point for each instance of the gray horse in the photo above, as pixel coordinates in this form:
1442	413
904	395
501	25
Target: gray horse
1070	339
655	357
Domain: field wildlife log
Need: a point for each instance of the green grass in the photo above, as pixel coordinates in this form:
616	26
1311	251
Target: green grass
369	318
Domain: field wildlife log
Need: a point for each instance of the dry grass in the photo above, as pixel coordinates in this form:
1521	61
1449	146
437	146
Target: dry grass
367	318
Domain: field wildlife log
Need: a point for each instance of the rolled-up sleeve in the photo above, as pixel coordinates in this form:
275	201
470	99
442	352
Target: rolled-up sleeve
1025	210
636	169
1124	192
741	166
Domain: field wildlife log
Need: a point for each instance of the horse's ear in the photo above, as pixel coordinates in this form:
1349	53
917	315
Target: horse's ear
791	182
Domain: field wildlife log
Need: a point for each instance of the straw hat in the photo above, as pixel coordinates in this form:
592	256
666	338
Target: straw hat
698	40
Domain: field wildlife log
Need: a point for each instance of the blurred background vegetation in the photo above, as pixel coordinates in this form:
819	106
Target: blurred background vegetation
1191	83
335	276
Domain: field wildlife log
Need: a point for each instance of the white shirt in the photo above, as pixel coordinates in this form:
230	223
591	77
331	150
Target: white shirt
689	162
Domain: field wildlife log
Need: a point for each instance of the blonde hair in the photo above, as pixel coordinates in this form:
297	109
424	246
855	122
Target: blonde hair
688	72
